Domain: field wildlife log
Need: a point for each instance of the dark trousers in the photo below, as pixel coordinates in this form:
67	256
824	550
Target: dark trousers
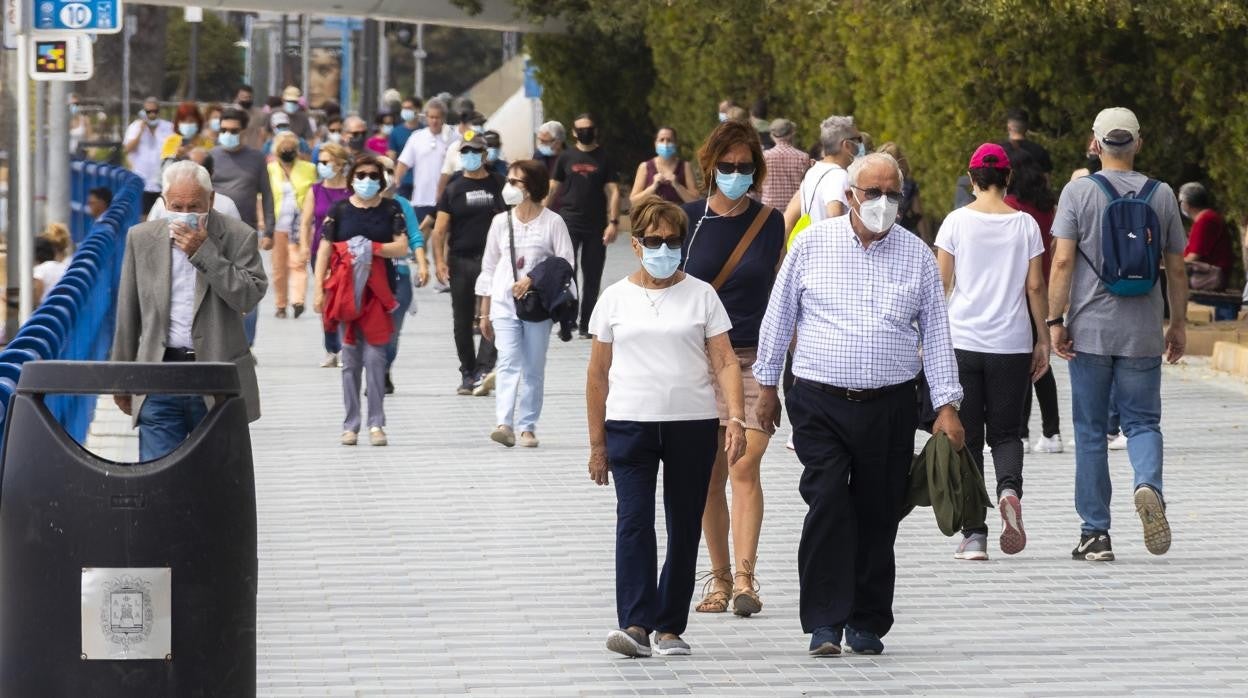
856	458
473	359
591	255
994	388
634	450
1050	415
149	200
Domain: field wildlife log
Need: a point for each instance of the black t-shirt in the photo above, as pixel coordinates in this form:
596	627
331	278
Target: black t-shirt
381	223
1038	154
472	204
583	177
747	290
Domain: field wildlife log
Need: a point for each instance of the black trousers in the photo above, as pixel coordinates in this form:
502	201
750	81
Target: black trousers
591	256
1050	415
634	450
473	359
149	200
856	458
994	388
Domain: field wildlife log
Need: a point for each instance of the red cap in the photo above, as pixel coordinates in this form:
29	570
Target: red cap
990	155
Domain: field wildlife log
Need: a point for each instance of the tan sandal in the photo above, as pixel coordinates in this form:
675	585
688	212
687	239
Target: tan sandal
745	601
714	600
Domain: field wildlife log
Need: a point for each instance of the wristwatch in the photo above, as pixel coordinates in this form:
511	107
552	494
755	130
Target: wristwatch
1059	320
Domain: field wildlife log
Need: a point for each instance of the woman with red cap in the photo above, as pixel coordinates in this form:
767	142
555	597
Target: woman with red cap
991	260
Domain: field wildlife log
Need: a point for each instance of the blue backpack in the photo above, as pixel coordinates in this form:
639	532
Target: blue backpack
1130	241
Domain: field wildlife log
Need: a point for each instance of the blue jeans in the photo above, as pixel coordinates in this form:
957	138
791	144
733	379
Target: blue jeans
1136	387
249	326
521	371
165	421
403	294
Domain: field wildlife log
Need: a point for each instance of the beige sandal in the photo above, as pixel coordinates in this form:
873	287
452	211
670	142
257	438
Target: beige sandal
714	600
745	602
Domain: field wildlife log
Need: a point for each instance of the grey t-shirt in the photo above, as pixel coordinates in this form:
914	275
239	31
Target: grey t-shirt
1099	321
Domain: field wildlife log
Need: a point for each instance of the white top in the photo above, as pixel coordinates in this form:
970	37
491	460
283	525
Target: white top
423	155
991	252
543	237
220	203
49	273
660	371
145	159
450	163
832	180
285	222
182	278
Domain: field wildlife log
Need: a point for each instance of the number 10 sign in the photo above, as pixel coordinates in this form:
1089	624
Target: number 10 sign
91	16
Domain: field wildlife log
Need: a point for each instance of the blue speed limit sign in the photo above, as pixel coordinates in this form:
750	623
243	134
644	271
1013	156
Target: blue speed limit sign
93	16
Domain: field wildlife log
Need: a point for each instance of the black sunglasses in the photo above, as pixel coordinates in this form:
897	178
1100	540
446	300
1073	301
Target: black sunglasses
151	112
654	242
368	175
515	182
357	133
745	168
874	193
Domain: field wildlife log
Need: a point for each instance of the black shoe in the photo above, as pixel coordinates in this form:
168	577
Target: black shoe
389	384
825	641
281	313
863	641
1094	547
298	310
465	385
586	335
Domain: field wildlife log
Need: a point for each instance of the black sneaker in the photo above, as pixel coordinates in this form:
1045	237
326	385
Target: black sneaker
465	385
1094	547
389	385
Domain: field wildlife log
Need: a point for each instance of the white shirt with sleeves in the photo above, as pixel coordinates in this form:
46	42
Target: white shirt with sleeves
536	241
423	155
660	371
824	183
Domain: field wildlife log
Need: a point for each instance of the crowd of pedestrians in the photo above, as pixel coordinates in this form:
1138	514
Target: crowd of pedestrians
759	268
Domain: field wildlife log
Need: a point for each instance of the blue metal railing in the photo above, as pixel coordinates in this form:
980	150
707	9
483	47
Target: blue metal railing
76	318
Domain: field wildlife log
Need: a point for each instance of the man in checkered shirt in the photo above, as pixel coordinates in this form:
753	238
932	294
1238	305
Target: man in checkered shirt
864	295
786	166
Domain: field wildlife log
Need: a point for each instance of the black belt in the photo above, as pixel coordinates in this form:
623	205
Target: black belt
179	354
855	395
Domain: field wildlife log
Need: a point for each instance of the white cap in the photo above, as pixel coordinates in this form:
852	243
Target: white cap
1116	119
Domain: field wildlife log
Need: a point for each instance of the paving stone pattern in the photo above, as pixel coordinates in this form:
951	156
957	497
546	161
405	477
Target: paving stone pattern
444	564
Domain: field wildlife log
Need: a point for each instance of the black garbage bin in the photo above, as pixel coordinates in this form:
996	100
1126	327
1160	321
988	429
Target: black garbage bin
127	579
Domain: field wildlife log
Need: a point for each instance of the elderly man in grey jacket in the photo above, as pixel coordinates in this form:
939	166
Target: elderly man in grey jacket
200	273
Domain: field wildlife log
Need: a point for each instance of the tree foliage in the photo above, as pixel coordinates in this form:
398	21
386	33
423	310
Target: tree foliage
220	61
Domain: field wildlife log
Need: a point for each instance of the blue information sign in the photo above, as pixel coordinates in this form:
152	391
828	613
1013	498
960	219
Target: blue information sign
532	88
93	16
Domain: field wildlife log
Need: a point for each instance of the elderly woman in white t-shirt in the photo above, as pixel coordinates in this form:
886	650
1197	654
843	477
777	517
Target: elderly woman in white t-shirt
540	234
991	260
657	335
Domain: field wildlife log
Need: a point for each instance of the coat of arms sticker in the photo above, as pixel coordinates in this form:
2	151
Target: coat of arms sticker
126	613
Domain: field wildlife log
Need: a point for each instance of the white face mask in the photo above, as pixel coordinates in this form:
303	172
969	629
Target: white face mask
512	195
877	215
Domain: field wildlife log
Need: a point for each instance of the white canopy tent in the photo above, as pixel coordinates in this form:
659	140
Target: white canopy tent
499	15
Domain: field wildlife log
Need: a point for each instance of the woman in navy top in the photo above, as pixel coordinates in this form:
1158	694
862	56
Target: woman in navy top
732	165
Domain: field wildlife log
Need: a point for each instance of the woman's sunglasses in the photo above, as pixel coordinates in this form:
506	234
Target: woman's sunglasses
376	176
745	168
654	242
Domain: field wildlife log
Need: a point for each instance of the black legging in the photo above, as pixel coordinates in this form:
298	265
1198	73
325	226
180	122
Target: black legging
1046	392
473	360
592	255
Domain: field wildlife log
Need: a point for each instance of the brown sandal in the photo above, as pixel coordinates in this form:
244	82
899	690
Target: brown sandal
745	602
714	600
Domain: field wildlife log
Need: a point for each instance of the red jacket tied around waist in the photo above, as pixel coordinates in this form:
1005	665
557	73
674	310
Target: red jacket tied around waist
357	292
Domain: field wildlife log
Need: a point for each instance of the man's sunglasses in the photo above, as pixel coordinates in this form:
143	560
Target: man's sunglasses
353	134
894	197
376	176
745	168
654	242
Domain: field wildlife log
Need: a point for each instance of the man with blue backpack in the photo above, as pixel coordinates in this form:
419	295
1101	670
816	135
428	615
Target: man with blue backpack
1113	231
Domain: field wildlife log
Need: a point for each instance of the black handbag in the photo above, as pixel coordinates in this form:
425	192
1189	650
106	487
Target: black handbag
529	307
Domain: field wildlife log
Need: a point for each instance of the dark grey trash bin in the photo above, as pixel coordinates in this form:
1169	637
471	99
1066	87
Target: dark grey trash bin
127	579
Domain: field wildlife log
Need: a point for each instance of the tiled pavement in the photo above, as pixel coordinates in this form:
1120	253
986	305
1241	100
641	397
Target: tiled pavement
444	564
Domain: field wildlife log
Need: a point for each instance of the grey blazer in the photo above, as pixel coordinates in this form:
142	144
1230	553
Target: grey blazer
231	281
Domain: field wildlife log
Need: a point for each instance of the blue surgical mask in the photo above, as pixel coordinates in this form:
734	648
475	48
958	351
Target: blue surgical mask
188	129
214	124
191	220
386	129
660	263
665	150
545	150
290	107
862	150
723	116
491	154
470	160
408	114
366	188
325	170
733	185
228	140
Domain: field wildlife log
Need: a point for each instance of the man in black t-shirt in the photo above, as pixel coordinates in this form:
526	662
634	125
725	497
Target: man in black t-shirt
1016	125
468	204
586	185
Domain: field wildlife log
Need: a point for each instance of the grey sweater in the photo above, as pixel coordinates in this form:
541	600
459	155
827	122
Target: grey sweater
241	174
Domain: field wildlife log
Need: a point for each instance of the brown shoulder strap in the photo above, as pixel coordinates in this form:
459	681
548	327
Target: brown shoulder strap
746	240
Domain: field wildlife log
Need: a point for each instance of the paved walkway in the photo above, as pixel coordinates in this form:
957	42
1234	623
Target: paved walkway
445	564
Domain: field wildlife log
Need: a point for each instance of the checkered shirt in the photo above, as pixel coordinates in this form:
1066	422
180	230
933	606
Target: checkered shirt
786	166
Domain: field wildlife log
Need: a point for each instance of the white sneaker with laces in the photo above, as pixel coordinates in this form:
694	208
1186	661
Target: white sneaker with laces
1118	443
1048	444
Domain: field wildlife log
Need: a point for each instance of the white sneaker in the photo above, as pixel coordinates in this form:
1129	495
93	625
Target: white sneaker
1026	446
1118	443
1048	444
789	444
331	361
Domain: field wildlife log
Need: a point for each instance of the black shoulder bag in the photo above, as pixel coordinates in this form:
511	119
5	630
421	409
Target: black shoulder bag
529	306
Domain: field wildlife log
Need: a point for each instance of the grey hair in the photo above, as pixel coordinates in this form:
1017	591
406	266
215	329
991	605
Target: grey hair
554	129
1123	151
185	170
833	130
436	103
1196	195
862	163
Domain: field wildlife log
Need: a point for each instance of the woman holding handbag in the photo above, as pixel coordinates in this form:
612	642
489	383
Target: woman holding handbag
735	243
519	240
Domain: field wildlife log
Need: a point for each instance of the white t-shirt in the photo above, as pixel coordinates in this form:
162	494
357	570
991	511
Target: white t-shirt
423	155
991	252
49	273
541	238
824	183
659	366
145	158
